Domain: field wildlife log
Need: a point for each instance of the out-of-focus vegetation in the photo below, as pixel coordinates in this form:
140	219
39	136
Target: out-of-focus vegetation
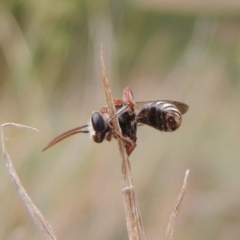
50	78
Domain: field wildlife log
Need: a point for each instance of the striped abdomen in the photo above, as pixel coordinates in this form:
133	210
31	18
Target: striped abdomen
160	115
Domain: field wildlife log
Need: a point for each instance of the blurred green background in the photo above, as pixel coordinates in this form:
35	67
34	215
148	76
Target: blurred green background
50	78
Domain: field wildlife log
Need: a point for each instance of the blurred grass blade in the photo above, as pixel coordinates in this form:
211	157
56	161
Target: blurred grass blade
176	208
38	218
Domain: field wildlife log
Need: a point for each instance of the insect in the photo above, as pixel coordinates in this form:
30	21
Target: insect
163	115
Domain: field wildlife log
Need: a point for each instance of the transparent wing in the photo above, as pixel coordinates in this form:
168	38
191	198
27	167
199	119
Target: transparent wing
182	107
121	108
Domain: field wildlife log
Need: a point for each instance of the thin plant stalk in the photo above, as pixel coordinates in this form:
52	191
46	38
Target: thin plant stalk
37	216
176	208
132	212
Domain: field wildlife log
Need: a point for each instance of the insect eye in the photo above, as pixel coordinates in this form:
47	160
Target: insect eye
98	122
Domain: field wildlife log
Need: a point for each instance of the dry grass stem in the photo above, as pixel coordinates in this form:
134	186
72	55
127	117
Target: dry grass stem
133	217
176	208
38	218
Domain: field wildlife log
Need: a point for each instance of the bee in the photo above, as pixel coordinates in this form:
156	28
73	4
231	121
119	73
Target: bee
163	115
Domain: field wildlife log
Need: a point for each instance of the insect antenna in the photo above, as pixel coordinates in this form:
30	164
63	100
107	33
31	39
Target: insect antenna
66	135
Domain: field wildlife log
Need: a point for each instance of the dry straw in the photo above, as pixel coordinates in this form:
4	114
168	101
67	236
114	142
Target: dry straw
38	218
132	212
